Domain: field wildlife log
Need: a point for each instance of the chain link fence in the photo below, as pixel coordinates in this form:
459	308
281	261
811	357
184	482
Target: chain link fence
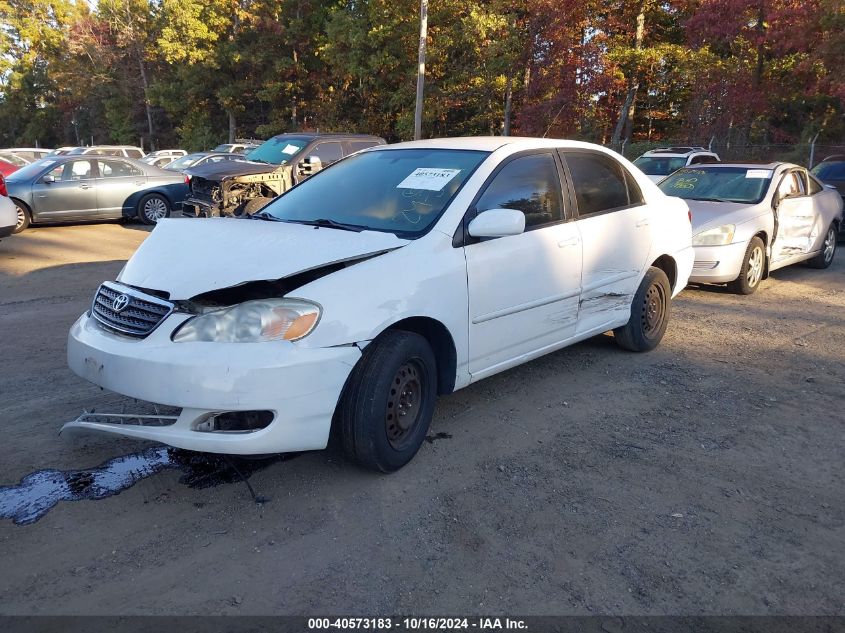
806	154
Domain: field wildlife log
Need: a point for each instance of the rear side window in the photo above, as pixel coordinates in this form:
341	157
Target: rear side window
117	169
134	153
529	184
600	183
815	186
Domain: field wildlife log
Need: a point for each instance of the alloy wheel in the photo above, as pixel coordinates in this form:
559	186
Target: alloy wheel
155	209
829	245
21	219
755	267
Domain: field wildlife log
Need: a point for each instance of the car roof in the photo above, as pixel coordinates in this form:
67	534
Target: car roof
313	135
671	152
492	143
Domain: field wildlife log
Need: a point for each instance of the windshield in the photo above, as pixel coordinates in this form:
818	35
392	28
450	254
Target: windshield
30	171
833	170
660	166
184	162
720	184
278	150
400	191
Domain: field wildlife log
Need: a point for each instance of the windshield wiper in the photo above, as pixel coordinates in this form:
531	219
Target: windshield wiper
324	222
713	199
331	224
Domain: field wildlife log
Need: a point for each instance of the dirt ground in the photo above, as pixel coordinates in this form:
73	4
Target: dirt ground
705	477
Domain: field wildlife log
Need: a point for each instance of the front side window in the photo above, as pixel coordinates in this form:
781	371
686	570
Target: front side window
77	170
401	191
328	152
599	182
529	184
790	186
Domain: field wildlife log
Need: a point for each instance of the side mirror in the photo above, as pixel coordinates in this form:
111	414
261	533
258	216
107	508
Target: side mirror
48	178
310	165
497	223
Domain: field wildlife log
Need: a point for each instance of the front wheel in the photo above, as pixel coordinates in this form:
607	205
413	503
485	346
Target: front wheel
388	401
825	256
752	268
24	218
649	313
153	208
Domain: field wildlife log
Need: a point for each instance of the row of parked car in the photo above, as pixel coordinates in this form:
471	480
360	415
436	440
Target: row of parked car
400	272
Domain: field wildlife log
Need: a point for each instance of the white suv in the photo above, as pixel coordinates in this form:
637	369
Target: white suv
659	163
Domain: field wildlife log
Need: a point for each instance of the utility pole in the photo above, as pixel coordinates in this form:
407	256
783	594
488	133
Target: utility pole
421	70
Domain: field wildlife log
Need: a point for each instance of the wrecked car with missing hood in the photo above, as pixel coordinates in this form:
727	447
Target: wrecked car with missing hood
244	187
400	273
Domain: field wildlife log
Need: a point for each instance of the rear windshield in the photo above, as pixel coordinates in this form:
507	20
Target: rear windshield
834	170
185	162
660	166
719	184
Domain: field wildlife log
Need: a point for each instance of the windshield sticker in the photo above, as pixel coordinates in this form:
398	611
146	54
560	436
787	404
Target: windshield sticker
758	173
290	149
429	178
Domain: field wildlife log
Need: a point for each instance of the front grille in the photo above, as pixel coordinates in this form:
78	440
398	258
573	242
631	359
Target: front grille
127	310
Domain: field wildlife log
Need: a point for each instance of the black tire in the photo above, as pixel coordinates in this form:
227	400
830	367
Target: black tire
397	372
825	256
152	208
650	312
255	204
24	216
753	268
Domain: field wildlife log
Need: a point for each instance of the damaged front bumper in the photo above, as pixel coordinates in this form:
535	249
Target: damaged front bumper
718	264
199	208
298	386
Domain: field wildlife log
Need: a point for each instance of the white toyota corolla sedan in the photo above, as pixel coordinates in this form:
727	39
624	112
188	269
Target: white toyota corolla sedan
748	220
397	274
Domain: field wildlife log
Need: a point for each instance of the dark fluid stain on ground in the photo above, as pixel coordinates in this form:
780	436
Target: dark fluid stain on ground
437	436
38	492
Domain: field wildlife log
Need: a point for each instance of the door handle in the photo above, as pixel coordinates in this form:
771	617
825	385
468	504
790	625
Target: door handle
84	186
138	183
572	241
642	223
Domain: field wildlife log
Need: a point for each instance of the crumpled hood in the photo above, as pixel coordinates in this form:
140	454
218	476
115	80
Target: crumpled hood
709	215
227	168
186	257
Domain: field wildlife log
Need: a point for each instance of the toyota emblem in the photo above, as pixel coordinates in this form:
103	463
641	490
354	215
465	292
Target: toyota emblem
120	303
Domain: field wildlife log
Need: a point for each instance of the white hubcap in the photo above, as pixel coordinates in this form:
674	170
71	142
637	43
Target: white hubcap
155	209
21	217
755	267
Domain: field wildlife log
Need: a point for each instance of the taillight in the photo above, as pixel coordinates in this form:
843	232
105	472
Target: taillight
3	190
187	179
689	215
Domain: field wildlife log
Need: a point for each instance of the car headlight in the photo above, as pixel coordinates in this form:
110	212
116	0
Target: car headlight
252	322
715	237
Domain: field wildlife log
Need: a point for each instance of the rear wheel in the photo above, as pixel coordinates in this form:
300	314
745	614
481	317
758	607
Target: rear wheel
825	256
649	313
388	401
24	217
752	269
153	208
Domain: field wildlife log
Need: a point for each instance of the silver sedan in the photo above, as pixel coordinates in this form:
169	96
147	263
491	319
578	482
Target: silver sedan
70	188
749	220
